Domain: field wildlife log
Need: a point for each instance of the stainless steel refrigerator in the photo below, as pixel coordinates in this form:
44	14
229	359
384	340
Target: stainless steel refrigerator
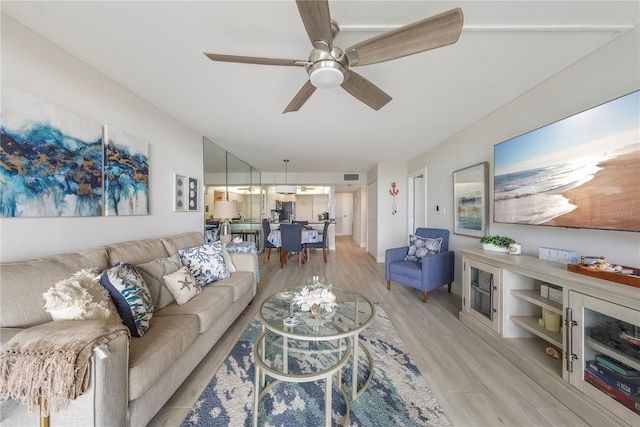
287	211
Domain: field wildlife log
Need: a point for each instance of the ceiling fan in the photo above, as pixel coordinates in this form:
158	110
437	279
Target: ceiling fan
329	66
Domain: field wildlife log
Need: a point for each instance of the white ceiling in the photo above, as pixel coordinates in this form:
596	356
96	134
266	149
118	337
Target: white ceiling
154	48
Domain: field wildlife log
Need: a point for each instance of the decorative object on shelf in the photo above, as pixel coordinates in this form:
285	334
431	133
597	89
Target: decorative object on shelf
316	299
286	189
496	243
470	190
553	352
606	271
515	248
225	209
551	320
561	256
394	192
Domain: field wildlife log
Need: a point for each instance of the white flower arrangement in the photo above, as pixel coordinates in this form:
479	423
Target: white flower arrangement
316	299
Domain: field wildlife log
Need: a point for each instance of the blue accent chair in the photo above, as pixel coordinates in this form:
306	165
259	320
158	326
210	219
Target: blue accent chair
426	275
291	236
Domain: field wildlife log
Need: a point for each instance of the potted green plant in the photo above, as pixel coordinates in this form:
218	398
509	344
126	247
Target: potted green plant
496	243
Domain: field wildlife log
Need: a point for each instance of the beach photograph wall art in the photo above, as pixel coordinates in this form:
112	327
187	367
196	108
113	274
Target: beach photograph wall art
126	173
50	159
580	172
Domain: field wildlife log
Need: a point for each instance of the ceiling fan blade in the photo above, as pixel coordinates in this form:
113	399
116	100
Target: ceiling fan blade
365	91
300	98
317	21
255	60
430	33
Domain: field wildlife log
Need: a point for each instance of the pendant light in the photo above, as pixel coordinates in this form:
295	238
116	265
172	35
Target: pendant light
286	189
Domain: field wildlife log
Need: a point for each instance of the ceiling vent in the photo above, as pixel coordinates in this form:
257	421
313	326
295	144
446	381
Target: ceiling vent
351	176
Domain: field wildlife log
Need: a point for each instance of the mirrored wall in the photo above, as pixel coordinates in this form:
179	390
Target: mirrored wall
227	177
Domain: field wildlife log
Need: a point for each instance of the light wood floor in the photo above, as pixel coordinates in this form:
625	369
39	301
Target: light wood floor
474	384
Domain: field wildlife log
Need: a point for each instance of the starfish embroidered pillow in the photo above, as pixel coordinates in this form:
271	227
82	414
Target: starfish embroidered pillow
182	285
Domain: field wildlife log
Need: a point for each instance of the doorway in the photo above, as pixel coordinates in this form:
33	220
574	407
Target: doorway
344	214
417	200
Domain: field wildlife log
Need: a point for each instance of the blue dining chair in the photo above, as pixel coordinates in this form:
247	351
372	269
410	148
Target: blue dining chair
323	244
291	237
266	229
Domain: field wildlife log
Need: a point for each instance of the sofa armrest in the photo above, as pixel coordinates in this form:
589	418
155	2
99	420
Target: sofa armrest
245	261
105	400
438	269
393	255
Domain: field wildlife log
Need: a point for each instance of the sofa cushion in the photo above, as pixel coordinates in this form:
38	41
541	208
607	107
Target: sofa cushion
205	262
185	240
240	283
136	251
420	247
409	269
209	306
182	285
152	272
80	297
149	356
131	296
23	283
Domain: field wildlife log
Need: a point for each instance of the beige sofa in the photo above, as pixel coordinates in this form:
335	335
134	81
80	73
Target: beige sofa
140	374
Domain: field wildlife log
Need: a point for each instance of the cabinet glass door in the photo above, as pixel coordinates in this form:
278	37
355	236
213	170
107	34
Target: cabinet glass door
482	292
604	360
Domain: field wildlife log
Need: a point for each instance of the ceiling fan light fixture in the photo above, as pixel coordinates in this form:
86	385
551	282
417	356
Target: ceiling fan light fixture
326	74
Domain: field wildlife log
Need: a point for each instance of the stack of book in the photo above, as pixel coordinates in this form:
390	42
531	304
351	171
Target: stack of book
616	379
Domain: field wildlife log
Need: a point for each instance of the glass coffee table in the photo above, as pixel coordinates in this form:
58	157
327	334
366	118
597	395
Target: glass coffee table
315	347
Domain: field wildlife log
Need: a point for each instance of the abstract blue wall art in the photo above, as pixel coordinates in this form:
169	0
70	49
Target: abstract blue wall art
50	159
126	174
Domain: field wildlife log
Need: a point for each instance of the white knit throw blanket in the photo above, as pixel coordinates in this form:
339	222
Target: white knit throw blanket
51	361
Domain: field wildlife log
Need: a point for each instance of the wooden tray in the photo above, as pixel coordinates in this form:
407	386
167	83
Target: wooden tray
625	279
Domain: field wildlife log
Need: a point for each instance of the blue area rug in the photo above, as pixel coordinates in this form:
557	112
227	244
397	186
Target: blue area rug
397	396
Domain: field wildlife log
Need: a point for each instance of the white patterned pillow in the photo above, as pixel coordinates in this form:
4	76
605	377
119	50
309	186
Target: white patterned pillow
420	247
130	295
80	297
182	285
205	263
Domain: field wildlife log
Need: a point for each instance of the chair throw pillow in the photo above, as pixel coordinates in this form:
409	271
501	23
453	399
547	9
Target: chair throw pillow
80	297
130	295
205	263
182	285
420	247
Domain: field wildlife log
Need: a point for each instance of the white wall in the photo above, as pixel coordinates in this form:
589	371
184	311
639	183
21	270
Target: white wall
34	65
392	228
610	72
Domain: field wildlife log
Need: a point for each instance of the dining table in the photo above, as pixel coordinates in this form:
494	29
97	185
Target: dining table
308	236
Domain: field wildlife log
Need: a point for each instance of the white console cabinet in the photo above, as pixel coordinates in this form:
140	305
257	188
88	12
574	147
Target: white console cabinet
511	315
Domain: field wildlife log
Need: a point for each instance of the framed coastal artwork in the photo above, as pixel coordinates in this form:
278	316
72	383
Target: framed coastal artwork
180	184
50	159
192	195
470	192
126	173
579	172
185	193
